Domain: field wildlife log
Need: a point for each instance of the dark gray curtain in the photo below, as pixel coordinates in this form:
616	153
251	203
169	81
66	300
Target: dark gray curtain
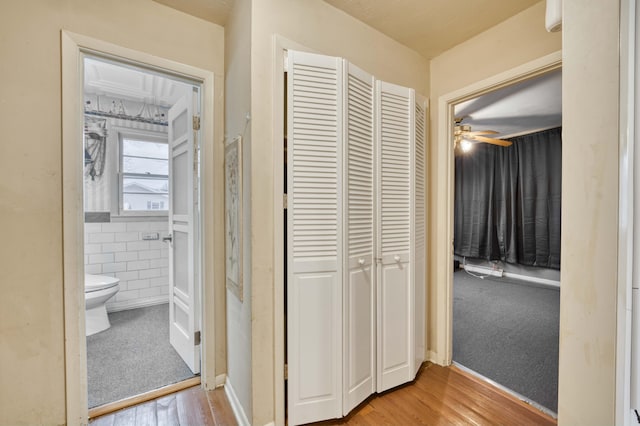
508	201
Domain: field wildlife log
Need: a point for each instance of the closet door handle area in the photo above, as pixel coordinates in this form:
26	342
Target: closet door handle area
361	261
168	238
396	258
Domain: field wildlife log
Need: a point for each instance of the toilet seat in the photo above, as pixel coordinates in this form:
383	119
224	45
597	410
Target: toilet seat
98	282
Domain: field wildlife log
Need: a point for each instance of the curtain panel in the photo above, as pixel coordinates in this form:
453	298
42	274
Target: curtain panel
508	201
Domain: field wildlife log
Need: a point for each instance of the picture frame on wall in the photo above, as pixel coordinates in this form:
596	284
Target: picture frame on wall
233	215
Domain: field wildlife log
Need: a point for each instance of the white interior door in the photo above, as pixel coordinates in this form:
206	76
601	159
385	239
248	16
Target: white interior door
420	234
395	133
182	270
314	241
359	281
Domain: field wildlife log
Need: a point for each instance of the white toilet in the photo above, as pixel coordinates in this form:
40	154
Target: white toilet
97	290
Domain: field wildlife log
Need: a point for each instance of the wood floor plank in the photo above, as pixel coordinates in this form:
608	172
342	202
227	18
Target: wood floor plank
444	396
481	397
125	417
166	411
193	408
221	409
452	402
146	414
103	421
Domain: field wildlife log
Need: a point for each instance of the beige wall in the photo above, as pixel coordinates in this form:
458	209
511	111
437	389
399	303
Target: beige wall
237	106
519	39
326	30
590	109
32	367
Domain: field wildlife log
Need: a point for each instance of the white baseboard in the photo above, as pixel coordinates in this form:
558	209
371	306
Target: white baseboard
137	303
537	280
238	411
220	380
432	357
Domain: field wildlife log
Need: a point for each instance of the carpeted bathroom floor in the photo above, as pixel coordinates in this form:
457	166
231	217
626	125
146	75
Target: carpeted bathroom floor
133	356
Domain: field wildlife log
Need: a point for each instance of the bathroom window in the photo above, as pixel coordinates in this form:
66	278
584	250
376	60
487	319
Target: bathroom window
144	176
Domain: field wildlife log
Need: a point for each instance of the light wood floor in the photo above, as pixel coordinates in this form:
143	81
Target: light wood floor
439	396
190	407
444	396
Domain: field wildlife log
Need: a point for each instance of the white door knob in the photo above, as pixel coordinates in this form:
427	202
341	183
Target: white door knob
396	258
361	261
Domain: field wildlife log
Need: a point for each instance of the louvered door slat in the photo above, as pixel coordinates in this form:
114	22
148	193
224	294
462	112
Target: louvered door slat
359	281
420	230
314	243
395	285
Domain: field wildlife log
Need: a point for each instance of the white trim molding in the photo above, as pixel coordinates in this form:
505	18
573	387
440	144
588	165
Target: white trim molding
137	303
238	411
221	379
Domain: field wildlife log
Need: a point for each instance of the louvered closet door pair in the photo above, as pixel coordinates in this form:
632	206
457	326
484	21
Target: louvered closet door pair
356	231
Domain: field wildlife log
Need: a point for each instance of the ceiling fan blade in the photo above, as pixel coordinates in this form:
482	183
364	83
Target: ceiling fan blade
482	132
491	140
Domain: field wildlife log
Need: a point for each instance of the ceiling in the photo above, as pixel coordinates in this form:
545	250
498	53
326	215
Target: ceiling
128	83
216	11
432	26
525	107
427	26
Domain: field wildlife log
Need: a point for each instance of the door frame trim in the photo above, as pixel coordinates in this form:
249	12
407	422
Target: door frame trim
73	47
442	277
280	46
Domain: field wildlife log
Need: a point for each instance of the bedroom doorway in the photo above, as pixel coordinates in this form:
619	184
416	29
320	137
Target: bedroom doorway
506	244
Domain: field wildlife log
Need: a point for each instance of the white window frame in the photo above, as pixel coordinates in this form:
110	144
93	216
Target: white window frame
117	209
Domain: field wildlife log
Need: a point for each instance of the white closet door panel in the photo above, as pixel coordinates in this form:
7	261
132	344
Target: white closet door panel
395	307
359	288
314	189
420	235
395	303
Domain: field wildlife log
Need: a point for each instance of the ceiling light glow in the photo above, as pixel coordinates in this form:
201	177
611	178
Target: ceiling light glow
465	145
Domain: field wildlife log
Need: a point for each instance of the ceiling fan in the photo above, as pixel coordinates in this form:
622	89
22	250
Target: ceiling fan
464	138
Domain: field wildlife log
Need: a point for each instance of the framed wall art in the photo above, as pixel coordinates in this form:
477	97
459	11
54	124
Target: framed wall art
233	215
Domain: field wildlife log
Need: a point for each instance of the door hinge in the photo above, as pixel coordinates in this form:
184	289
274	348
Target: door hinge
285	201
196	338
196	122
286	371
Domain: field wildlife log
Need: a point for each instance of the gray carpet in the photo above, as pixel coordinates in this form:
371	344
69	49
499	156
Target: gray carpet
133	356
508	332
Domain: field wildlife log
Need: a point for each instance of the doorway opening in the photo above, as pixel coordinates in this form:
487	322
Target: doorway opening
142	232
507	149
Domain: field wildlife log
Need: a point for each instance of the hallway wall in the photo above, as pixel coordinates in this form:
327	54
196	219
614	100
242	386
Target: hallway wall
237	106
32	335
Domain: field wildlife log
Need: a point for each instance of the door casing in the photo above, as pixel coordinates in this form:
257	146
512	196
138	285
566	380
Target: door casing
74	46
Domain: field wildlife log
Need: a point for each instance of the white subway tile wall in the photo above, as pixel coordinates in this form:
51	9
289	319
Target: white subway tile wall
117	249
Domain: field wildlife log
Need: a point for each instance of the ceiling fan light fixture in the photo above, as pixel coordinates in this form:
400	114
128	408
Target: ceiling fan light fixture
465	145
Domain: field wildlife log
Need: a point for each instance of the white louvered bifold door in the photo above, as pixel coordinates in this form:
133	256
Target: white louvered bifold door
420	234
314	241
359	281
395	110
